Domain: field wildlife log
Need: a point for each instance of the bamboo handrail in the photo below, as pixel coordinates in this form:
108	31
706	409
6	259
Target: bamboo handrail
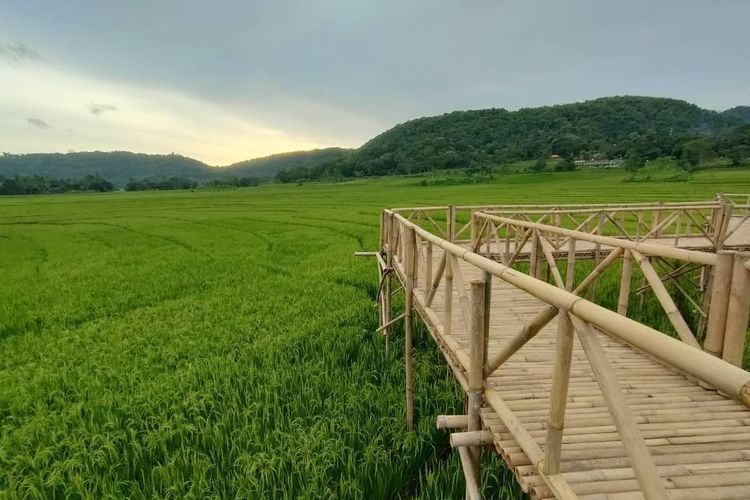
656	249
733	381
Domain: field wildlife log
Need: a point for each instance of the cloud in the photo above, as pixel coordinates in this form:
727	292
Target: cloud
38	123
100	109
18	53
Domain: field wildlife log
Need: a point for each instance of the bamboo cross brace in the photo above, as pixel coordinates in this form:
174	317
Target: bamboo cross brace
543	317
640	458
463	299
662	295
436	279
618	226
546	247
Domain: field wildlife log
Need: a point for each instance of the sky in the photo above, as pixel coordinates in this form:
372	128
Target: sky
225	81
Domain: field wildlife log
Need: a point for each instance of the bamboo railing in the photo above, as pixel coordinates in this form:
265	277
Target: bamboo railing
408	249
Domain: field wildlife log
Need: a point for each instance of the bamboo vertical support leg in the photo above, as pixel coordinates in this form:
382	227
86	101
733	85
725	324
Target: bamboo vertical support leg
409	245
476	367
570	272
625	279
451	220
427	267
533	257
738	311
448	292
717	313
559	393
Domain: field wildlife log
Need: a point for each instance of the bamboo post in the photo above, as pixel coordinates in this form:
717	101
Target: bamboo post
448	291
722	221
451	223
427	266
534	255
477	360
655	221
487	307
559	393
640	458
409	244
717	313
599	232
388	285
570	272
625	279
738	312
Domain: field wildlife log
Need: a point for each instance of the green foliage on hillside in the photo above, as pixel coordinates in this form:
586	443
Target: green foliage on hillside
117	167
121	167
269	166
610	127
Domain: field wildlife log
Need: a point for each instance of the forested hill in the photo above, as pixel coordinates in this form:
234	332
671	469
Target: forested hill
268	166
607	127
119	167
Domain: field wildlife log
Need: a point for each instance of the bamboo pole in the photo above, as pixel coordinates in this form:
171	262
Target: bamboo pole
463	299
625	279
655	249
559	392
475	374
543	317
717	314
452	421
409	243
388	284
534	255
738	311
448	292
570	272
662	295
552	266
427	266
473	439
472	479
486	322
436	279
640	459
451	220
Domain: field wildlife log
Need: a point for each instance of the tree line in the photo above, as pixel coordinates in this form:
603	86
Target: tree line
37	184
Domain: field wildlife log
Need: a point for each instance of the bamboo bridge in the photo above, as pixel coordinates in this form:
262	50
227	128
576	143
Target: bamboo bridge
629	409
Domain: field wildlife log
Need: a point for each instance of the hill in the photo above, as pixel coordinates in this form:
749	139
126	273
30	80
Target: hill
269	166
608	127
117	166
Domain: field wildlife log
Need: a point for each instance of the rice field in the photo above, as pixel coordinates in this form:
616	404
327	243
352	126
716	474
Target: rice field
219	344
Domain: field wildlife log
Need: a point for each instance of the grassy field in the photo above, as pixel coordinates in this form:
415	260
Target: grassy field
220	344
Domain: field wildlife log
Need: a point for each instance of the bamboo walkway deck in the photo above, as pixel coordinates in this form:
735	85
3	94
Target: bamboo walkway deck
579	400
700	440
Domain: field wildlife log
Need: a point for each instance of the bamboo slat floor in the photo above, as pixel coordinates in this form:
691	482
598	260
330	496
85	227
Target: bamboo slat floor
699	439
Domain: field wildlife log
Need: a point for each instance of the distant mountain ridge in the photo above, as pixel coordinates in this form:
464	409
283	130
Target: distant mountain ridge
119	167
608	126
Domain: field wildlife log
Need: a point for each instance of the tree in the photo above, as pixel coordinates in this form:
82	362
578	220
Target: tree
567	164
633	161
539	165
697	151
